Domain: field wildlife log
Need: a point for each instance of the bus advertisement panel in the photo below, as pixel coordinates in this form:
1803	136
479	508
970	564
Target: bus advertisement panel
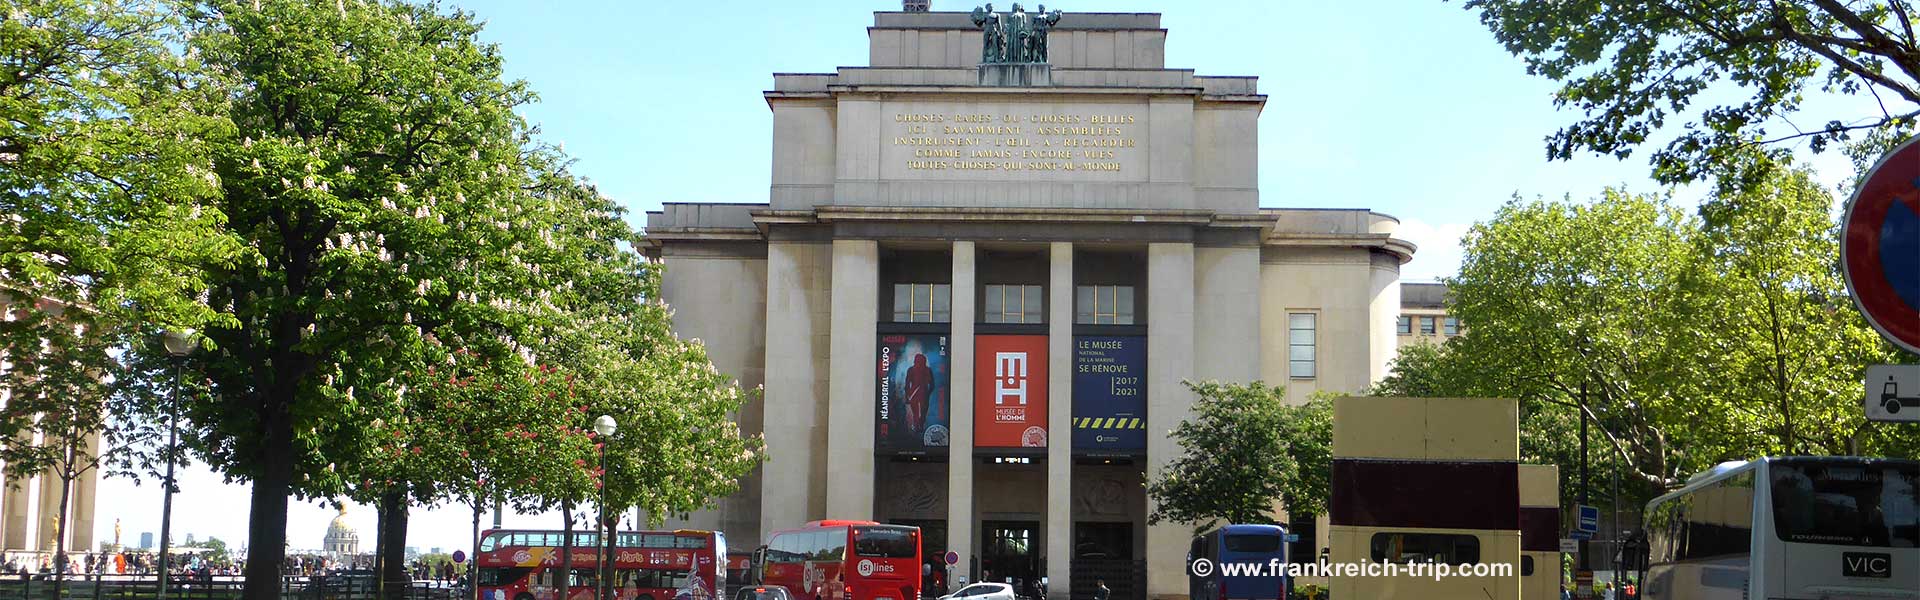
1010	391
845	560
1109	394
647	565
911	415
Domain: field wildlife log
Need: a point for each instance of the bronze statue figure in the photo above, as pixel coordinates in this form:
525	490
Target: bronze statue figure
993	34
1015	36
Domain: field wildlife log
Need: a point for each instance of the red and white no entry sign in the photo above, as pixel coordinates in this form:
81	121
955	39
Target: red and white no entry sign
1880	246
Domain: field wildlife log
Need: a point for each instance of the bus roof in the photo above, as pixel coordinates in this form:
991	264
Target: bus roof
1249	529
1729	468
835	523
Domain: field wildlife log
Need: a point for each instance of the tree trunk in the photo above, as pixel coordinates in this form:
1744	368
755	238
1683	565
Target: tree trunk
60	524
566	550
473	559
379	550
393	554
267	525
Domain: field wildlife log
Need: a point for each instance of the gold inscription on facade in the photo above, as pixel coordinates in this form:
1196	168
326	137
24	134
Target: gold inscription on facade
1065	142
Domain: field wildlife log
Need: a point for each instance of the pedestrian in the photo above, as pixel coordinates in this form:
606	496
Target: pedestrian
1100	591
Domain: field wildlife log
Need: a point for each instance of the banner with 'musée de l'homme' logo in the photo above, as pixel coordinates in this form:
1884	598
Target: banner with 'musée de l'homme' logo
1010	391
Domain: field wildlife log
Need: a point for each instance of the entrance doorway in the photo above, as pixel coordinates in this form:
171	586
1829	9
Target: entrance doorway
1009	553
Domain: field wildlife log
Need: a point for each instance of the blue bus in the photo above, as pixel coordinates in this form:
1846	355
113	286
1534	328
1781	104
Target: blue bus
1244	562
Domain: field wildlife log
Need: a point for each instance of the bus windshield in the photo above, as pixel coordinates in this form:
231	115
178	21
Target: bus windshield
1852	504
883	542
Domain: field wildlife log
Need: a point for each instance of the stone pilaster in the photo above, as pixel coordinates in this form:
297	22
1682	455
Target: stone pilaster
1170	347
850	426
960	401
1059	534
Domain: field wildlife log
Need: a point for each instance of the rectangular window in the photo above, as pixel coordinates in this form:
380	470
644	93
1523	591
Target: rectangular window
1445	548
1300	344
1013	304
1103	305
1427	325
1453	326
922	303
1404	326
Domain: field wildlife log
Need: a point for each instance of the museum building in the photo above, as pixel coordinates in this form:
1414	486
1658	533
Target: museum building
977	286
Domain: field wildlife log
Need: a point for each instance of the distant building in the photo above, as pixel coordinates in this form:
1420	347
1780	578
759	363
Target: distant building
146	540
1423	314
436	550
189	539
342	539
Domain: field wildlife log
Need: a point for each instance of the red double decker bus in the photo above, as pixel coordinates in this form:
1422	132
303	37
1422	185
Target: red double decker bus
844	560
647	565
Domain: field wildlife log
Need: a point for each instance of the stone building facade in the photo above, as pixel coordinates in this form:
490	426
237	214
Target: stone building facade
29	506
972	308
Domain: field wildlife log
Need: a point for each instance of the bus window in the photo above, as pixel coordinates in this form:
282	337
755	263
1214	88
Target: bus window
1449	548
1853	504
503	576
696	543
883	542
1261	543
490	542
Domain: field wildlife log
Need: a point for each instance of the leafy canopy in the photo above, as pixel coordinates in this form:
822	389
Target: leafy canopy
1733	73
1244	450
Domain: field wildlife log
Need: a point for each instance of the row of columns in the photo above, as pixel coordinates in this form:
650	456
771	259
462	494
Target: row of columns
19	509
1227	283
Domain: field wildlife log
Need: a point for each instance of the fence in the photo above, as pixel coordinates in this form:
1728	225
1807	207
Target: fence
187	587
1126	578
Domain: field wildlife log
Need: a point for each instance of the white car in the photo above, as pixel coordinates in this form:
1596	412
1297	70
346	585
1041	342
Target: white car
982	591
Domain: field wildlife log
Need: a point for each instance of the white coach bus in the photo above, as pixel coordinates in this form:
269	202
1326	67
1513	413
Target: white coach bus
1793	528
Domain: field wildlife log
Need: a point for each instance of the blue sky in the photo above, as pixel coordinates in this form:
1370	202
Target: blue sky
1409	108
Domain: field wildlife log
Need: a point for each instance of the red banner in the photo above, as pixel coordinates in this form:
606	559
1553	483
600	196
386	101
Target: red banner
1010	391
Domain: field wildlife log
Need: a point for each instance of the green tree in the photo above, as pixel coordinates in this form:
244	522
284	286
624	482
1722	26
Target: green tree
373	174
103	224
1734	73
1572	305
1685	341
1243	452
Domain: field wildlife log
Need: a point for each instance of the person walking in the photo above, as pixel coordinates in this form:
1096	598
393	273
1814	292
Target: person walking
1100	591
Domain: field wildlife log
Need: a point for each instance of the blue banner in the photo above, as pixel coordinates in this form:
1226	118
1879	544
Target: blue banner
1109	393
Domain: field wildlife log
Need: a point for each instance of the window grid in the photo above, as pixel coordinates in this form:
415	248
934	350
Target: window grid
1427	325
1404	325
1014	304
1103	305
922	303
1301	329
1452	326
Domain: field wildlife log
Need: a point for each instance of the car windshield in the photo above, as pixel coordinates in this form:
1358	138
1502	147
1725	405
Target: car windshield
1847	503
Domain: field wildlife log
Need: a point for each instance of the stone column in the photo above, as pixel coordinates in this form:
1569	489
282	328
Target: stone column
960	409
18	499
50	486
850	426
80	535
1059	534
1170	346
796	385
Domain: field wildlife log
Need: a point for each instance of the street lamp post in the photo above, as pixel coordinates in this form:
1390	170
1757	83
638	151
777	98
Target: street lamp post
605	426
179	344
